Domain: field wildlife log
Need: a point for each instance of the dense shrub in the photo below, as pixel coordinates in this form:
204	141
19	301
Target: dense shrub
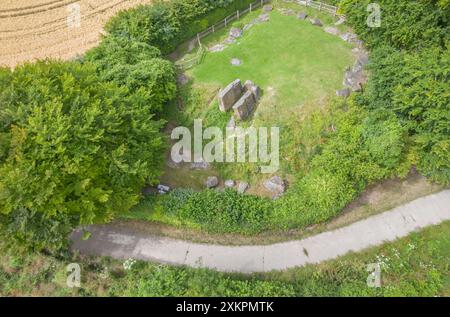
405	24
138	67
75	150
167	24
216	211
364	148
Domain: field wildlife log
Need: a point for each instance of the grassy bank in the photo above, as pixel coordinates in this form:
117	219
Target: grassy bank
413	266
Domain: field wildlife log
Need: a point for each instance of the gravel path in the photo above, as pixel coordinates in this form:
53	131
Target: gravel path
123	243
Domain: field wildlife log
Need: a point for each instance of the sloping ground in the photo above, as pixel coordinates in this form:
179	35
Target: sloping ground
38	29
123	243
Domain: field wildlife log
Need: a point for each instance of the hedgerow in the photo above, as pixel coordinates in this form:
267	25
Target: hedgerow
167	24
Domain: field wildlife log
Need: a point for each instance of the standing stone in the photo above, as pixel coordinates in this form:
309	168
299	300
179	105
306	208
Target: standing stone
275	184
163	188
331	30
236	62
265	17
254	89
217	48
242	187
244	106
229	95
235	33
267	8
316	22
229	183
343	92
212	182
302	15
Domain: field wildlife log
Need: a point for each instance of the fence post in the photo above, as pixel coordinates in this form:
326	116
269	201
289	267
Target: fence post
198	39
320	6
238	14
213	28
335	11
225	22
250	7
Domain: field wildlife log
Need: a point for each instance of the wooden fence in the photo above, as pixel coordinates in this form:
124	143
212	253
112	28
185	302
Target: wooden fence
317	5
189	63
186	64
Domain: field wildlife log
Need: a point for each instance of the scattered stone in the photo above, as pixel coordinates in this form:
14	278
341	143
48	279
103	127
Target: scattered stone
349	37
229	183
316	22
275	184
265	17
162	189
267	8
231	123
229	40
287	12
355	78
212	182
236	62
343	93
332	30
302	15
244	106
199	165
363	59
235	33
230	95
217	48
242	187
255	90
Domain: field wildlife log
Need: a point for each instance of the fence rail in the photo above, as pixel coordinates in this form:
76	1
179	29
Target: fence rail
186	64
319	6
189	63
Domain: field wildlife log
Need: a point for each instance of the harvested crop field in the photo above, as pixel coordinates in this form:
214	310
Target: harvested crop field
38	29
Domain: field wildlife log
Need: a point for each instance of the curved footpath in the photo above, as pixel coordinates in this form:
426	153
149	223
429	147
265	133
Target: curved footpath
124	243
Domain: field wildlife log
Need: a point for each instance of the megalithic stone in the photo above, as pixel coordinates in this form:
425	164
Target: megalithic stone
230	95
244	106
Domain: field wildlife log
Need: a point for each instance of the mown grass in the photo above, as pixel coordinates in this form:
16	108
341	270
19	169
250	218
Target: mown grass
413	266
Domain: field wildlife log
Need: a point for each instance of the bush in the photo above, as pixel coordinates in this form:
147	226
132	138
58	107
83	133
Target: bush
166	25
75	150
404	24
216	211
138	67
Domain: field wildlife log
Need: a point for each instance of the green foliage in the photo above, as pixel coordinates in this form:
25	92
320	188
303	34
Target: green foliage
362	150
75	150
215	211
138	67
165	25
412	266
405	24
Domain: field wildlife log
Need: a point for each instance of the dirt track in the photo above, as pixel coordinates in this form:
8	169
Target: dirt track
38	29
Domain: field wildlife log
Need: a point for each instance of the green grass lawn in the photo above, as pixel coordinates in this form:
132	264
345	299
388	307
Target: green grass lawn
413	266
291	60
298	66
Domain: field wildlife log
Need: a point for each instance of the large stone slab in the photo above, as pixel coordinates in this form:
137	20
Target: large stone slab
254	89
230	95
244	106
275	184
